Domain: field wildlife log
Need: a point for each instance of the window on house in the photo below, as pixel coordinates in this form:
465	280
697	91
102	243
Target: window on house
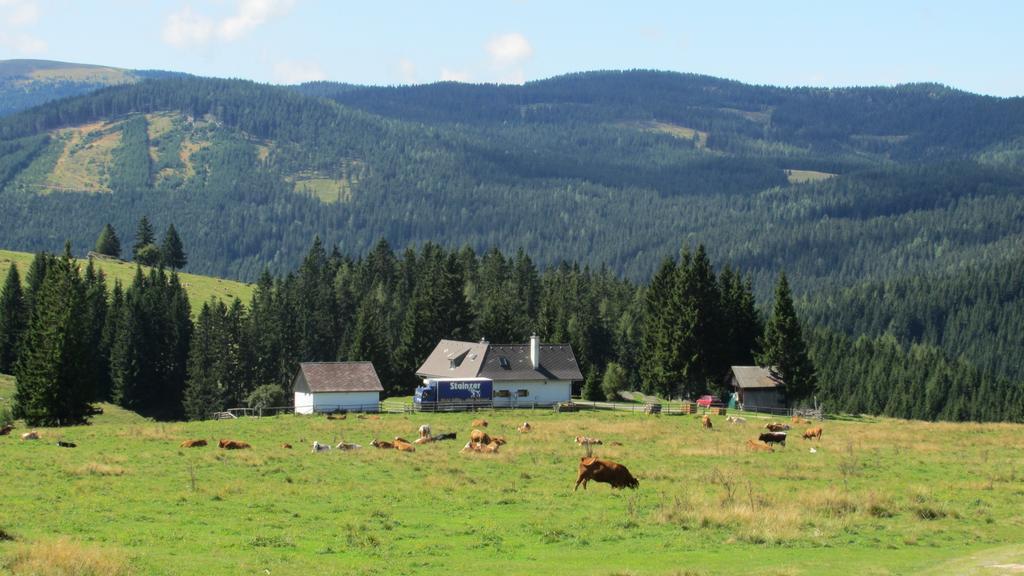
522	393
503	393
505	364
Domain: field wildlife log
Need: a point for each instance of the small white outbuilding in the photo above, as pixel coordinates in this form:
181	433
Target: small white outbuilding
336	386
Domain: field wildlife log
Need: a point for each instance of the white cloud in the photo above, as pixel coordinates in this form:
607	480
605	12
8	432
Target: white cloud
407	69
16	15
294	72
187	28
184	28
509	48
454	75
251	14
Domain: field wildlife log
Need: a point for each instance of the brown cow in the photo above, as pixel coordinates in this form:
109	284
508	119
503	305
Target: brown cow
813	433
423	440
758	447
404	446
524	427
705	422
480	423
584	440
604	471
32	435
499	440
286	445
6	429
777	427
334	416
400	439
382	444
480	437
234	445
193	443
489	448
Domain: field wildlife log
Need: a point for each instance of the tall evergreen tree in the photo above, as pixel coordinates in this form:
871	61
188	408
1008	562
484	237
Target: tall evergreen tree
659	364
108	243
144	251
172	252
785	352
13	319
54	385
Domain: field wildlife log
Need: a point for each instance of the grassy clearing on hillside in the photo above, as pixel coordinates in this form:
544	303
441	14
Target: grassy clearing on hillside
890	497
802	176
328	190
699	138
200	288
87	155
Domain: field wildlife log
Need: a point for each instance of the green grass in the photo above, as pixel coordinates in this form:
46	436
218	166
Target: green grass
328	190
802	176
200	288
890	497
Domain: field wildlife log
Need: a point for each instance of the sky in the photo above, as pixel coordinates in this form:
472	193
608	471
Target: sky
975	46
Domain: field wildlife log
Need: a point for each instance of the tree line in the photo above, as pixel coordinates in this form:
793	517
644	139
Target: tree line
70	340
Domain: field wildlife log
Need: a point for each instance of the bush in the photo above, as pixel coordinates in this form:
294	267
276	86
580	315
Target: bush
148	255
266	396
614	381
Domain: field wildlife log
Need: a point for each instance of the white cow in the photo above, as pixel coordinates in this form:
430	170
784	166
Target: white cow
347	446
425	431
318	447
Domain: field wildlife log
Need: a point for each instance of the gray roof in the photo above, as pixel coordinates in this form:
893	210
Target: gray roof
754	377
341	377
483	360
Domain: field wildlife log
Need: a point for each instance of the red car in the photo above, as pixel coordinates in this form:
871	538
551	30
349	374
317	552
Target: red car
705	401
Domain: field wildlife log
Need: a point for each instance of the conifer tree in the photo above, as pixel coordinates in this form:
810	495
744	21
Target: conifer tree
13	319
785	352
34	279
144	251
204	393
108	243
659	367
172	252
54	386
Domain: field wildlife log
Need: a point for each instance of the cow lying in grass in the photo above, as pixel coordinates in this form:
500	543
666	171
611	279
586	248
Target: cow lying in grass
604	471
524	428
445	436
479	447
480	423
233	445
777	427
6	429
755	446
585	440
193	443
318	447
398	444
346	446
31	435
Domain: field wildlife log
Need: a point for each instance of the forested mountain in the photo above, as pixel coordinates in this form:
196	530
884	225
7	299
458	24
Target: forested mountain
28	83
618	168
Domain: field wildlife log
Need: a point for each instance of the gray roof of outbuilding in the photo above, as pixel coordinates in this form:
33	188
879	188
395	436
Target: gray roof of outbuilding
483	360
341	377
748	377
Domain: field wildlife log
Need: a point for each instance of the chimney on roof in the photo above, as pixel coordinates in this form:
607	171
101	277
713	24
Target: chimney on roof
535	351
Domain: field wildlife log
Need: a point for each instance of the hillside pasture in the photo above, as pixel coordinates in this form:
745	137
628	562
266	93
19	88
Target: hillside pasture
879	497
199	288
804	176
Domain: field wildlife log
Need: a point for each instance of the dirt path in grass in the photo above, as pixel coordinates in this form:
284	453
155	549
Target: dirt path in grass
1002	561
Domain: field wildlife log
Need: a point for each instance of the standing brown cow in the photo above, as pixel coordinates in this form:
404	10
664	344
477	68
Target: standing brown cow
705	422
604	471
813	433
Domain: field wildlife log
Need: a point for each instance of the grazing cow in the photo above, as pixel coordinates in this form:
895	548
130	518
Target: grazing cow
346	446
445	436
524	428
318	447
32	435
758	447
382	444
193	443
813	433
234	445
479	437
584	440
64	444
6	429
773	438
424	431
604	471
480	423
705	422
777	427
286	445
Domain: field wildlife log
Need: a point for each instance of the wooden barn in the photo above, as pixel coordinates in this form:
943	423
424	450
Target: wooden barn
756	388
531	374
333	386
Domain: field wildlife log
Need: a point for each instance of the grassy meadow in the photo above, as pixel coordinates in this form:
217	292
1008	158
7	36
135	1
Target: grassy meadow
878	497
199	288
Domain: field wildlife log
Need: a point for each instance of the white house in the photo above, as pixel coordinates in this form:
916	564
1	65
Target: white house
523	374
331	386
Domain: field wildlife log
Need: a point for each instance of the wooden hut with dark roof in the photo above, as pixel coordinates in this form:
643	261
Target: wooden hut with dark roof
337	386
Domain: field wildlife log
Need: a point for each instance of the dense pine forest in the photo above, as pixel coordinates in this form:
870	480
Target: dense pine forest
70	339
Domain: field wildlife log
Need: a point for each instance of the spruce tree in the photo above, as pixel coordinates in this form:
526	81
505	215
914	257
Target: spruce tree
203	391
785	352
144	251
13	319
172	252
659	368
108	243
54	385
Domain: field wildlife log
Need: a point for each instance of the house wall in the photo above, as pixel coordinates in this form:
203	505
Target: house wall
307	403
762	398
538	392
